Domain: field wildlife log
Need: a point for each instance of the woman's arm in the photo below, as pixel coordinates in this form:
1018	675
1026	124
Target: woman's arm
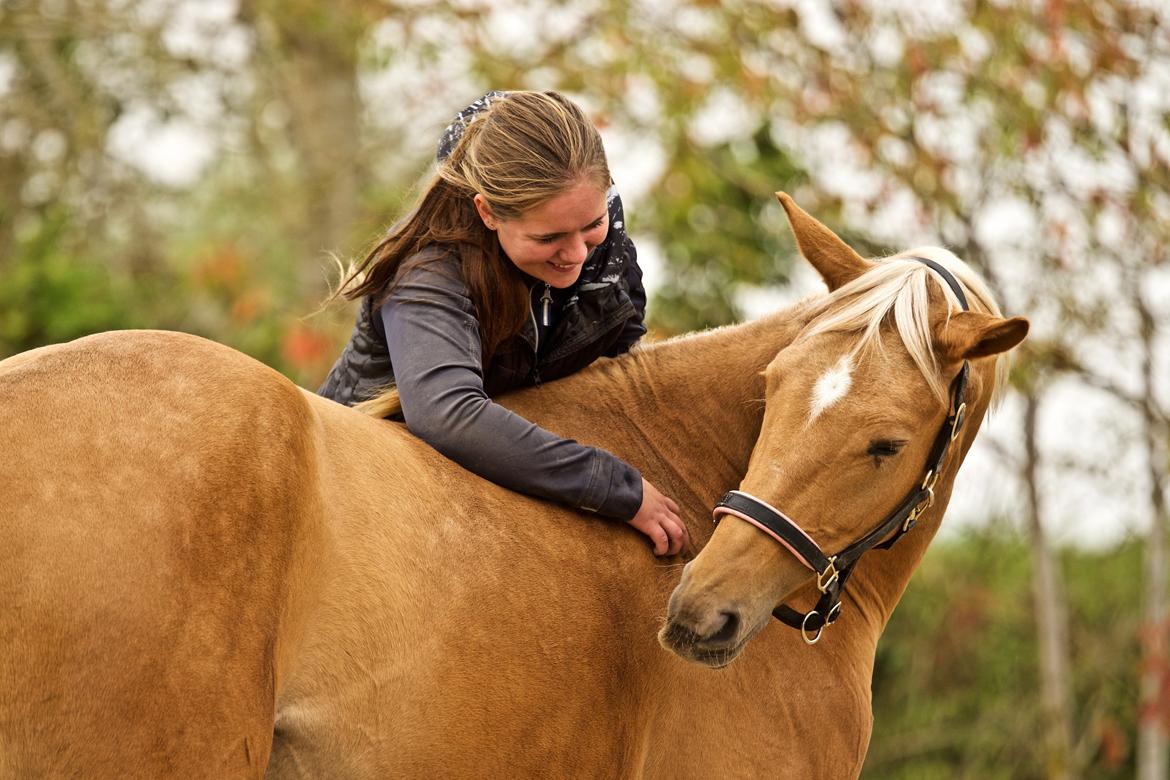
433	338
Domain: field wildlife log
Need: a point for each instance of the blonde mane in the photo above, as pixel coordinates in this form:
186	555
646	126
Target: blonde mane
898	286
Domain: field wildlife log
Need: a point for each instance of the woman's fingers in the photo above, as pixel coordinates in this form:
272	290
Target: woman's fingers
684	536
676	532
658	518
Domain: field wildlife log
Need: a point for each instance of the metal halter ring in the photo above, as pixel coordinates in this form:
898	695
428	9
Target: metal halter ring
804	629
830	619
917	511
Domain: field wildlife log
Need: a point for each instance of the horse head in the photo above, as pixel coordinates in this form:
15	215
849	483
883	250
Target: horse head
856	409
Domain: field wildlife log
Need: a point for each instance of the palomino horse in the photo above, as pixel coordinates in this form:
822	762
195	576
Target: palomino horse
208	572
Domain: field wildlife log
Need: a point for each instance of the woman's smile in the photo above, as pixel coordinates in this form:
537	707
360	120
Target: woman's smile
552	241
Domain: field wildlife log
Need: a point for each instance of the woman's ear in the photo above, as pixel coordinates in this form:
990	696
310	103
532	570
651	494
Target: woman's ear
485	211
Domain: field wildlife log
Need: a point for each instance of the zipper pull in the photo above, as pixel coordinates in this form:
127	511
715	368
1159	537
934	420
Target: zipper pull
545	303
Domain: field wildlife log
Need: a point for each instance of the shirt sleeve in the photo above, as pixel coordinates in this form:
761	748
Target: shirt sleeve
433	338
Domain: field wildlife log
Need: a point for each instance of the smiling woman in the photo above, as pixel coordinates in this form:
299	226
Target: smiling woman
513	268
549	242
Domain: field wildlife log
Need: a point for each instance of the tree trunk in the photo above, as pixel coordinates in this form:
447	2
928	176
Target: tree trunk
312	56
1154	711
1051	617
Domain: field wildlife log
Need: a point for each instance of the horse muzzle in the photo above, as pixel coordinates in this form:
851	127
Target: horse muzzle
705	629
716	648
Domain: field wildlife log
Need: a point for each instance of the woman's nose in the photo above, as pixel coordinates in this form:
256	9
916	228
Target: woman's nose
575	252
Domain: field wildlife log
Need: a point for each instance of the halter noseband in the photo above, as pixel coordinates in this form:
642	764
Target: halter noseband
833	570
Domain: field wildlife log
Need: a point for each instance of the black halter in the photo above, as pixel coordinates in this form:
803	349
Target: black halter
833	570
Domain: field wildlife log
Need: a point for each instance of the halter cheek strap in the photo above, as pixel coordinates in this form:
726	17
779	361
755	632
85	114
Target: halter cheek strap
833	570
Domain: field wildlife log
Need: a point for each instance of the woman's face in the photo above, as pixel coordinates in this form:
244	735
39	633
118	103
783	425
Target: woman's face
551	241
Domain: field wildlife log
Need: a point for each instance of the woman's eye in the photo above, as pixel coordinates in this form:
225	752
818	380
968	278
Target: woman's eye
884	448
554	239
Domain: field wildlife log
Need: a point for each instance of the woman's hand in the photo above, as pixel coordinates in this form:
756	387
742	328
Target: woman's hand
658	519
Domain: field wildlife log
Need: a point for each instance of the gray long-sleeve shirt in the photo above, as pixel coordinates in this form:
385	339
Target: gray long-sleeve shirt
425	339
432	336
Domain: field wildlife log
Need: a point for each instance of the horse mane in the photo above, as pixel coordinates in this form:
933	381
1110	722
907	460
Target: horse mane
896	288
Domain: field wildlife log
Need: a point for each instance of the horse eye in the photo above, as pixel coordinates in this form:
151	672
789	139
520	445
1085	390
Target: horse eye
884	448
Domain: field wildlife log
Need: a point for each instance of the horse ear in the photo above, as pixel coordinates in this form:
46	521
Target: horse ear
971	334
836	261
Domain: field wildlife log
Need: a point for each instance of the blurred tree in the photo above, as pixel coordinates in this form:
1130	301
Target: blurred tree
103	225
954	683
1051	613
63	196
720	227
306	57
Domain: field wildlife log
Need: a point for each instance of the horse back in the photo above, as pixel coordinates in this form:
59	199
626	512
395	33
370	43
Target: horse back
157	503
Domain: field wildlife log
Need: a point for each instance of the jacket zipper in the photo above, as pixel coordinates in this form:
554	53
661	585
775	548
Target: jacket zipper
545	303
545	300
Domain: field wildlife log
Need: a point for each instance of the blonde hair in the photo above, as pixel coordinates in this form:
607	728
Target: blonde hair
519	152
898	285
525	149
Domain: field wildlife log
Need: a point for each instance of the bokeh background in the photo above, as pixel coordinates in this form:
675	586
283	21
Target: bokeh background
204	165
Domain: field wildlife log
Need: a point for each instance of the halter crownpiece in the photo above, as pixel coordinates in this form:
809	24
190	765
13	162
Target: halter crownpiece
833	570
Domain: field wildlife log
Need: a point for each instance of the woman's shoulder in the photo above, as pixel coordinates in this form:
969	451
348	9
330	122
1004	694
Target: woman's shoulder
433	271
433	260
440	254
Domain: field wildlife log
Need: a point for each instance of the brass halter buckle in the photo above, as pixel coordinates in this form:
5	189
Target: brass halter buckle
928	485
826	578
960	413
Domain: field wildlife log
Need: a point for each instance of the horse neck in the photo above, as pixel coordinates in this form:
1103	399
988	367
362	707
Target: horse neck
697	404
879	581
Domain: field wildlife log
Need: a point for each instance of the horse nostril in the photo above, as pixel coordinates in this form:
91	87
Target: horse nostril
728	630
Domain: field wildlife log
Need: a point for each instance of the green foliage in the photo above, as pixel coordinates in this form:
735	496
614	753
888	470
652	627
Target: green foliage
53	292
720	227
956	680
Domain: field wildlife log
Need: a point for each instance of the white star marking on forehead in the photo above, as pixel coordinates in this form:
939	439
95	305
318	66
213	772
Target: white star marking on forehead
833	385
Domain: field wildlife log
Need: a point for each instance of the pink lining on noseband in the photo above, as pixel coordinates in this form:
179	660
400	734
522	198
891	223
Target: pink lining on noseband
722	510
